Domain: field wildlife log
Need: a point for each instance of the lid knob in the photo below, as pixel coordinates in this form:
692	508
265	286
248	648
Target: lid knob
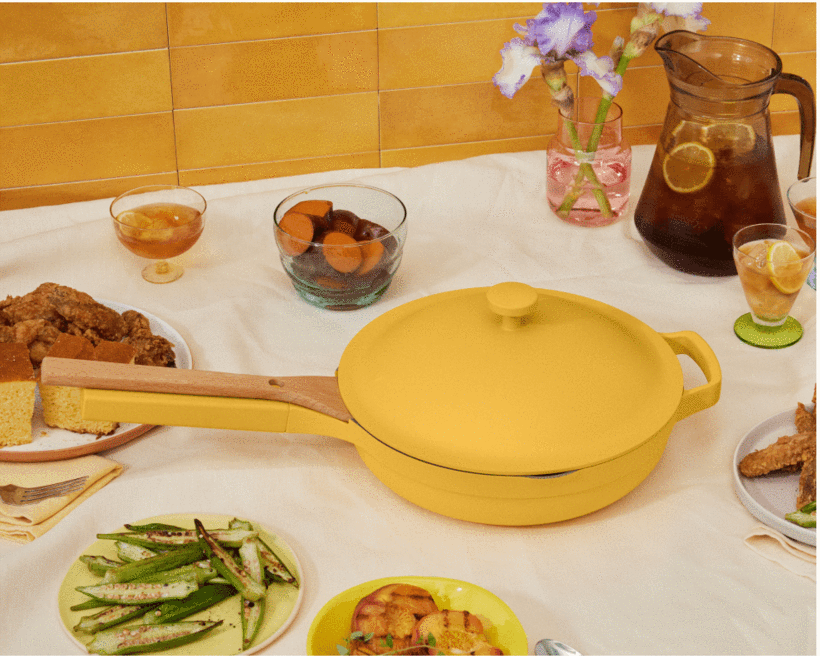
513	302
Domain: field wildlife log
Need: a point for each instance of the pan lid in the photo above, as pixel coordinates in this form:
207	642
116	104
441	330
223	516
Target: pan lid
510	380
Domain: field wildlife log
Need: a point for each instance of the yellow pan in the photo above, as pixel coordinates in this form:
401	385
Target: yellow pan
501	405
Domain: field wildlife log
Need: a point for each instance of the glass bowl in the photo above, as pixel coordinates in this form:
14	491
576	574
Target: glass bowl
340	244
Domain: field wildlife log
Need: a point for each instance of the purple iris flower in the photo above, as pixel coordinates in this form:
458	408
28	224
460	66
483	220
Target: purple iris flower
560	30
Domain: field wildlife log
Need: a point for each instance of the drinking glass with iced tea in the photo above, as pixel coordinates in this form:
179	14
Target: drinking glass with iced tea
773	262
802	197
159	222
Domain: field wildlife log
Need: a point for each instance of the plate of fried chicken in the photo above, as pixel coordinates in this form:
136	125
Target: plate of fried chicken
775	470
38	318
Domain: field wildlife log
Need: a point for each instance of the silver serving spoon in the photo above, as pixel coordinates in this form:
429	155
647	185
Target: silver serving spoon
554	648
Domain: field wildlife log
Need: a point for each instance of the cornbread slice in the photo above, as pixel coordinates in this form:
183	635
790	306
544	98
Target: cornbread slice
119	352
17	385
61	405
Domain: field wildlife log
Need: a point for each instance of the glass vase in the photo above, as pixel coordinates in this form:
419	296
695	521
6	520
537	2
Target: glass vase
589	166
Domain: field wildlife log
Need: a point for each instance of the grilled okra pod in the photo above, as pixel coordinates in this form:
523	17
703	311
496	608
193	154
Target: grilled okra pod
272	563
201	569
227	566
99	565
178	609
133	552
179	538
136	594
110	616
252	612
91	603
148	637
154	526
154	564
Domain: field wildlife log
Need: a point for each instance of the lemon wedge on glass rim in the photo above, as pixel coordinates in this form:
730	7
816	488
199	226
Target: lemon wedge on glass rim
688	167
784	266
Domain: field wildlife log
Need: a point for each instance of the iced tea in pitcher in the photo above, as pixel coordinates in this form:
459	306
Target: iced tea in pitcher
714	169
706	182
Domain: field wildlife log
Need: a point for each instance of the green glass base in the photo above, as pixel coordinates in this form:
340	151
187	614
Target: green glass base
768	337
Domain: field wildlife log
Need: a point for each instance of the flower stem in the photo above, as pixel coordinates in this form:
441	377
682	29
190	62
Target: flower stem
585	170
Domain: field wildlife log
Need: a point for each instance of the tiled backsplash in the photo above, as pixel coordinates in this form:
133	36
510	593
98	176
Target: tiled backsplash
97	98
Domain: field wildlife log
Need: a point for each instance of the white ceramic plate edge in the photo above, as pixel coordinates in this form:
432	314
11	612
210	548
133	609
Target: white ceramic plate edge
769	498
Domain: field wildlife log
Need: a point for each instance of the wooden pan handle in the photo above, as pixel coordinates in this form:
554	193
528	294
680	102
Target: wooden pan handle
320	393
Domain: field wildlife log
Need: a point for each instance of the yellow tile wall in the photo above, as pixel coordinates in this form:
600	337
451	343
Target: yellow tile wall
97	98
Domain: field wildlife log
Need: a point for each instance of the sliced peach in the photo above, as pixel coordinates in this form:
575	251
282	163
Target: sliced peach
372	252
317	208
390	613
453	632
341	251
298	225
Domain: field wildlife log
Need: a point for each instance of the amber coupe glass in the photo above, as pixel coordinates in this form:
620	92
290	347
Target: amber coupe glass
159	222
773	262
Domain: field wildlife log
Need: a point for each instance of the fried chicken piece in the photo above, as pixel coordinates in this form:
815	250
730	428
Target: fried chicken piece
807	487
135	321
787	453
152	349
805	421
85	316
37	334
39	348
25	332
34	305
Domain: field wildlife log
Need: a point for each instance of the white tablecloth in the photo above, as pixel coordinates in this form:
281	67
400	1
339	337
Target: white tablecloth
663	571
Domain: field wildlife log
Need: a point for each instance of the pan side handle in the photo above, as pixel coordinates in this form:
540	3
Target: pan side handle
704	396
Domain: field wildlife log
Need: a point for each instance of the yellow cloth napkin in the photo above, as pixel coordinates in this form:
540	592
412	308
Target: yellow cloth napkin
793	555
25	523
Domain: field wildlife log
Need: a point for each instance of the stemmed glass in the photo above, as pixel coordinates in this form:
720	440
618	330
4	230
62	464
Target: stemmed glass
802	197
159	222
773	262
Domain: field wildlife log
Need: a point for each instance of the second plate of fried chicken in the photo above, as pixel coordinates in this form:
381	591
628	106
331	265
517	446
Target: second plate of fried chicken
775	469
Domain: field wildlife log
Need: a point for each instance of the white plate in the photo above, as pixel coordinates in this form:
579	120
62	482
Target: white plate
49	443
770	497
283	601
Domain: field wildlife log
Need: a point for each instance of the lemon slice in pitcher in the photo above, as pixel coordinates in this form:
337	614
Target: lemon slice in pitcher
686	131
688	167
784	267
736	137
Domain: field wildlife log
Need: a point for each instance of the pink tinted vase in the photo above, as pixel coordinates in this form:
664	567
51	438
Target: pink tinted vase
588	185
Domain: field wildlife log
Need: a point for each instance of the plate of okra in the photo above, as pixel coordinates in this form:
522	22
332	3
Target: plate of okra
187	583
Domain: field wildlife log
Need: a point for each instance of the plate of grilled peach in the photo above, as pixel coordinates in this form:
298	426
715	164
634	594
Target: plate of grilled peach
416	615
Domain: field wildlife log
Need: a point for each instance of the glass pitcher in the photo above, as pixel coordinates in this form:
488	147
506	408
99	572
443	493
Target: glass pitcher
714	168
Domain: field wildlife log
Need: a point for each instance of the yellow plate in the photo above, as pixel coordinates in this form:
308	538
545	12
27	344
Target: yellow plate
331	625
282	604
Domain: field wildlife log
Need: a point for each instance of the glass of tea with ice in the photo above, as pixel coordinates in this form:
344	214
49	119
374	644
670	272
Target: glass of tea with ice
159	222
773	262
802	197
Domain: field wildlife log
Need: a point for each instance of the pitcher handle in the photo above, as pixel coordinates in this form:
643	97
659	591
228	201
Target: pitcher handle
796	86
704	396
